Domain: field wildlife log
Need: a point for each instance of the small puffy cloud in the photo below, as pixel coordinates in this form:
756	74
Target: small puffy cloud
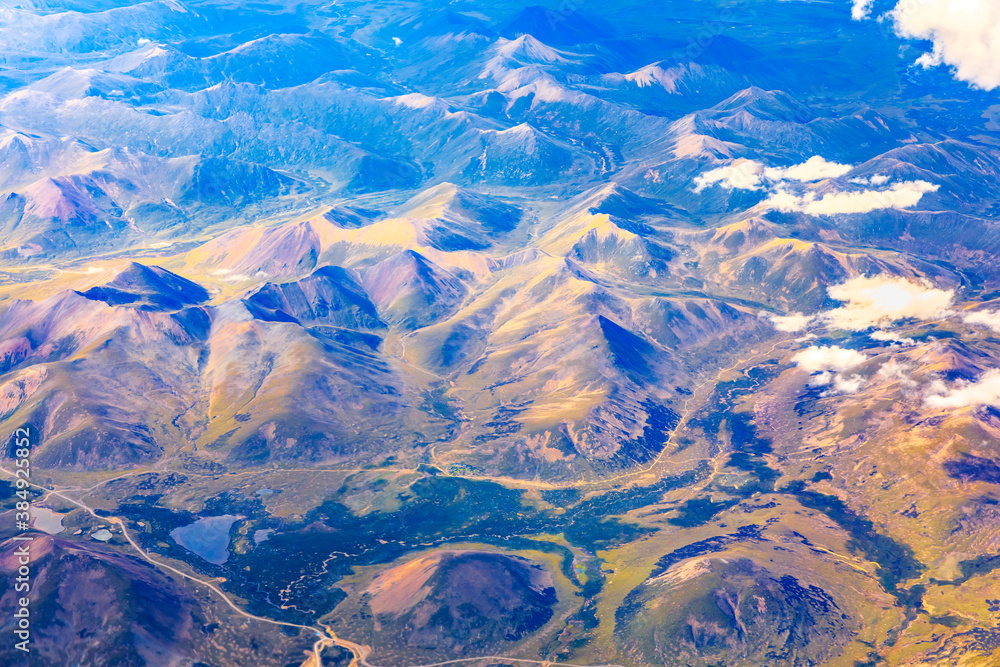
861	9
900	195
881	300
876	180
740	175
987	318
837	383
791	323
964	34
813	169
752	175
985	391
891	337
894	371
828	358
824	379
847	385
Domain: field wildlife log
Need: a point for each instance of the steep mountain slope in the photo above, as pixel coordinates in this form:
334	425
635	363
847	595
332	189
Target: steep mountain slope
474	602
94	604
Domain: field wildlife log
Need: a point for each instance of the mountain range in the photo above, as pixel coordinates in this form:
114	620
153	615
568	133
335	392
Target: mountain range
622	334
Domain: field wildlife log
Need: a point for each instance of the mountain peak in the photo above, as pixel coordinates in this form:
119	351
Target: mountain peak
57	199
767	105
529	48
450	203
620	202
523	51
330	296
148	288
145	55
411	290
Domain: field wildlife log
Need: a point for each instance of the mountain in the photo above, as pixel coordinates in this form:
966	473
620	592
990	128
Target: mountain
58	214
90	32
447	201
148	288
67	347
277	391
664	87
732	610
509	55
233	182
411	291
473	602
163	64
127	610
520	154
330	296
459	219
153	620
284	60
966	173
132	195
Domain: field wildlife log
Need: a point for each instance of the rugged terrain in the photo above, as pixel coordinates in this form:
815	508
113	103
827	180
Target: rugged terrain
619	334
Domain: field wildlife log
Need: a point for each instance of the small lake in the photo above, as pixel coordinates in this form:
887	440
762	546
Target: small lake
47	520
208	537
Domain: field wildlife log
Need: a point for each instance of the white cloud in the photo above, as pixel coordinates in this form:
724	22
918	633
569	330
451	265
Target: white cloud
987	318
900	195
985	391
752	175
847	385
813	169
876	180
881	300
740	175
891	337
873	302
862	9
825	361
824	379
828	358
791	323
746	174
964	34
898	372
